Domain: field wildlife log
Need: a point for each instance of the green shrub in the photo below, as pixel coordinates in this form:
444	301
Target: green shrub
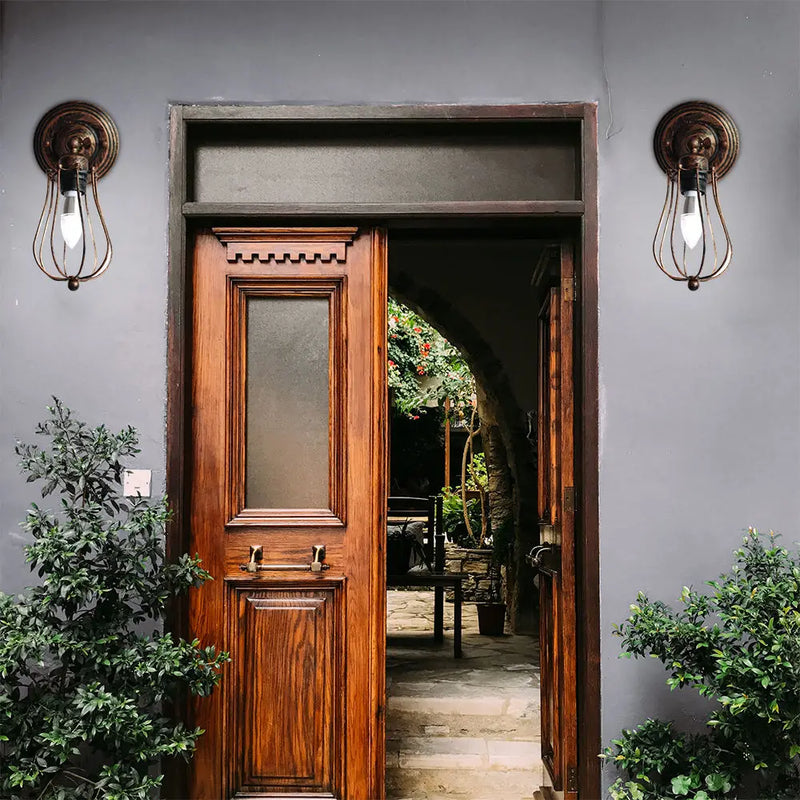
84	669
453	517
662	762
740	647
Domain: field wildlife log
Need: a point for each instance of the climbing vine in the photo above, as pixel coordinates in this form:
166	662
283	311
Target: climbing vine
424	368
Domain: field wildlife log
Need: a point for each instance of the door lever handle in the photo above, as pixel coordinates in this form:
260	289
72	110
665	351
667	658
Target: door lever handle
534	558
257	554
318	553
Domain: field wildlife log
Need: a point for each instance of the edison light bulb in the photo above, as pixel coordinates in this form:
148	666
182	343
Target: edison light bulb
691	224
71	223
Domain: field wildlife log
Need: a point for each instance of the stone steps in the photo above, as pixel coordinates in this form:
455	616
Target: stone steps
462	752
432	755
426	723
449	784
496	704
463	729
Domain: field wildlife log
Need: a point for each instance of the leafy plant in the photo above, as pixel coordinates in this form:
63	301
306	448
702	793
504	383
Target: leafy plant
738	646
453	517
84	670
424	368
663	762
477	476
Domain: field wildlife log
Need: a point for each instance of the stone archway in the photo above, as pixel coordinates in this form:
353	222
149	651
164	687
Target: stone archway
504	427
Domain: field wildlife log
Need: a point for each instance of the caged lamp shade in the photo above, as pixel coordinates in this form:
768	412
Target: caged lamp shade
695	143
75	144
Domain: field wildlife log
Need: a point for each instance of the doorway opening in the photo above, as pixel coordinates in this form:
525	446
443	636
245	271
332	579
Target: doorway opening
266	174
469	726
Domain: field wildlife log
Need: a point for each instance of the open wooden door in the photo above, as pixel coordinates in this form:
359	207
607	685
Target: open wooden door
287	504
555	556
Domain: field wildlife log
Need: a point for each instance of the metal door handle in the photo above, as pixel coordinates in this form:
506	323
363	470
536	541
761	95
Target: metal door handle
257	554
318	556
534	558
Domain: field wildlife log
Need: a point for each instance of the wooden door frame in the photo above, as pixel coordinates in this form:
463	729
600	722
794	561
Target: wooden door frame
184	215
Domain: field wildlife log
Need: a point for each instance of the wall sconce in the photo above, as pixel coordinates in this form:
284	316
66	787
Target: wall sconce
75	144
696	144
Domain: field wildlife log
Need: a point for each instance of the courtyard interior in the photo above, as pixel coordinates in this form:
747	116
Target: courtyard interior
460	729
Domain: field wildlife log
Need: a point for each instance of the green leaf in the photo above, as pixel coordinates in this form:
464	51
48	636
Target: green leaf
681	785
717	782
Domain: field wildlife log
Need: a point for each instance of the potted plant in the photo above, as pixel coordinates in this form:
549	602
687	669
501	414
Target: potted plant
492	614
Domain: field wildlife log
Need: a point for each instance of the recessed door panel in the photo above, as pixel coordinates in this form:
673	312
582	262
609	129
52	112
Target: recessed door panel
285	651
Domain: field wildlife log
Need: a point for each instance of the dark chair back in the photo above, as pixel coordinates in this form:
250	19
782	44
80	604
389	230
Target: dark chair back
429	511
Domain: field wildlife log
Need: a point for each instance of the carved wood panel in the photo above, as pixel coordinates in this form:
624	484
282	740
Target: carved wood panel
550	674
282	244
285	695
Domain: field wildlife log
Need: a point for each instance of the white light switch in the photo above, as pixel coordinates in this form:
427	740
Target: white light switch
136	482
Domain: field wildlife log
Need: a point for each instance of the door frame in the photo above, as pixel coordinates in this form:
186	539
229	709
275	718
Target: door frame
184	215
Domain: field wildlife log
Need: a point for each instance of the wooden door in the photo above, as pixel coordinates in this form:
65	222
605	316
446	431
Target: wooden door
287	505
556	554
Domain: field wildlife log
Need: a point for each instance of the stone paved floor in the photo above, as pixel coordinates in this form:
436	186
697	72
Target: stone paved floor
463	729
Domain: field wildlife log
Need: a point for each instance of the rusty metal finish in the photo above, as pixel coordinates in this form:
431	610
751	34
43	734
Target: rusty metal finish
700	125
75	144
76	125
695	143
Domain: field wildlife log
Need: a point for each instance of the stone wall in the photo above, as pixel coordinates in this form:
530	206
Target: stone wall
476	586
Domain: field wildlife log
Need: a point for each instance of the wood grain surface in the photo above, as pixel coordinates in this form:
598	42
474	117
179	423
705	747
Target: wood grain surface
300	709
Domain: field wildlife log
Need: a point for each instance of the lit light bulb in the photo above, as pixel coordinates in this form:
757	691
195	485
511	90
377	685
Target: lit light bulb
691	224
71	223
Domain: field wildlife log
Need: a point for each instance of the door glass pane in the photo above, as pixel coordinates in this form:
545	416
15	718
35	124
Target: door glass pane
288	409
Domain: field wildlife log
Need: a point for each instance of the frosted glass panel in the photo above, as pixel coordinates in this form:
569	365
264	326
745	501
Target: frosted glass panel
288	408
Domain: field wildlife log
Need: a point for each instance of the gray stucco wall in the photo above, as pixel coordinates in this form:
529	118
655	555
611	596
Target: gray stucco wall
700	430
